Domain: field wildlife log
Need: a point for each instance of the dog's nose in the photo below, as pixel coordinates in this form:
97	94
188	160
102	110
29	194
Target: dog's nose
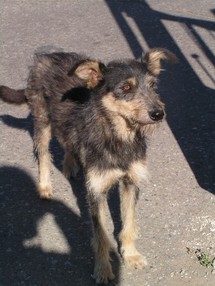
156	115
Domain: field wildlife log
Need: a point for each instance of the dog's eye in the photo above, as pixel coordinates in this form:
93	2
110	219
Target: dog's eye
126	87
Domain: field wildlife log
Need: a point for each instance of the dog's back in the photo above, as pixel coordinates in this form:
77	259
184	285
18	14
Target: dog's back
52	73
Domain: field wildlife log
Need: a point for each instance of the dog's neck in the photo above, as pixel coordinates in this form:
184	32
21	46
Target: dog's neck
121	128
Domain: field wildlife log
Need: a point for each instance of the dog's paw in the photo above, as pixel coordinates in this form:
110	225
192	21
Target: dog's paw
103	273
45	192
136	261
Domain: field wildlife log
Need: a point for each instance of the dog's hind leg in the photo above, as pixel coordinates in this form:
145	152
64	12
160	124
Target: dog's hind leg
70	165
42	133
128	234
42	138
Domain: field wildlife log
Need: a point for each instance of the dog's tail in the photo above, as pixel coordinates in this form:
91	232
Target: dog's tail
13	96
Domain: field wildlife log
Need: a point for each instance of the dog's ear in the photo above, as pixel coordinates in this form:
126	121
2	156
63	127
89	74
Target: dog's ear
91	71
152	59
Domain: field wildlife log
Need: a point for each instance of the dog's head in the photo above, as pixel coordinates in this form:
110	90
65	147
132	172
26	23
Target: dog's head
130	88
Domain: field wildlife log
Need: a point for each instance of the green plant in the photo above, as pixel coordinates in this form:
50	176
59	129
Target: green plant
204	259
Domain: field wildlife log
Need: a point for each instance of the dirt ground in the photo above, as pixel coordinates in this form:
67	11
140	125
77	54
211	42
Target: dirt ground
48	243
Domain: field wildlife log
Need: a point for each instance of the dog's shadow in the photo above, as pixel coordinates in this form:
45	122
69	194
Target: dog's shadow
21	212
26	124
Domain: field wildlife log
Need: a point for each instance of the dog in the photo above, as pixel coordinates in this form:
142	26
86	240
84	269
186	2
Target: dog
102	116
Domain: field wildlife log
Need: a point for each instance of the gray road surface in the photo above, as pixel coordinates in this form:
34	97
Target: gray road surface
48	243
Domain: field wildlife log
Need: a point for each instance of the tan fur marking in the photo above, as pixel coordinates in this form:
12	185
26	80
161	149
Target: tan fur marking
128	234
115	105
154	57
90	72
122	130
128	201
44	188
102	181
119	108
154	61
138	172
43	65
83	70
132	80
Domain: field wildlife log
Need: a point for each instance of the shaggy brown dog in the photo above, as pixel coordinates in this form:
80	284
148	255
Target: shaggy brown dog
104	130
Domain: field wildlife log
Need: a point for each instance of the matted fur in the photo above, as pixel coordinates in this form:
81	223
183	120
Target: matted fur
103	129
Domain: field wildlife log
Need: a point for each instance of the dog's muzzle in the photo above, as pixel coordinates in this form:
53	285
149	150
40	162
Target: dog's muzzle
157	115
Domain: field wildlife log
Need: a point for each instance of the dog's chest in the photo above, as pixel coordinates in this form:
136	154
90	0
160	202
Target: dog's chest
114	153
126	152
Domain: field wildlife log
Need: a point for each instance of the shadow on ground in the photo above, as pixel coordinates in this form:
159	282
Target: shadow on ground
21	210
190	104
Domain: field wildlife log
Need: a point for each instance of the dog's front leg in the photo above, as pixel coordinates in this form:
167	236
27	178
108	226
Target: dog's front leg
98	184
100	242
128	234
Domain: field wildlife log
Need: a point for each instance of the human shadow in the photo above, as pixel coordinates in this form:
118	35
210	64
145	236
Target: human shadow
22	263
189	103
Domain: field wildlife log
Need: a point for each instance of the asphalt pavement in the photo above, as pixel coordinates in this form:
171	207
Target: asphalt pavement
47	243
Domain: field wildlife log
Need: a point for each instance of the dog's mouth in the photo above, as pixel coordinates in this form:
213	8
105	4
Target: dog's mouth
135	123
152	120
